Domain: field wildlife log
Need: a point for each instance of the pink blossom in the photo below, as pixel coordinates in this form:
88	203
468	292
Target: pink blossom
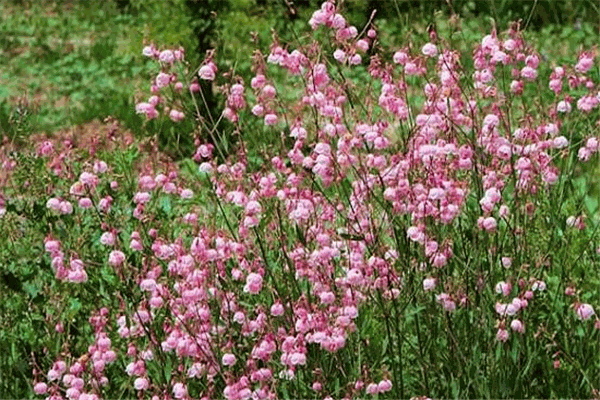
162	80
355	59
107	239
489	224
149	51
258	110
148	285
207	72
116	258
384	386
430	50
228	359
253	283
40	388
429	284
372	389
53	204
339	55
269	91
592	144
560	142
186	194
584	311
258	81
277	309
400	57
298	359
517	326
166	56
179	390
270	119
66	207
85	203
503	288
176	116
586	62
502	335
141	384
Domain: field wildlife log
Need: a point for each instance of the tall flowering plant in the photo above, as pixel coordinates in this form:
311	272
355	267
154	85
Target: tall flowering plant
416	230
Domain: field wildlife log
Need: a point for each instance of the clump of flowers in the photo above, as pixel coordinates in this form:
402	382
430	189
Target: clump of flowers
384	230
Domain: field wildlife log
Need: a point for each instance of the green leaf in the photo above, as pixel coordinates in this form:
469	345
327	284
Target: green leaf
31	289
165	204
74	305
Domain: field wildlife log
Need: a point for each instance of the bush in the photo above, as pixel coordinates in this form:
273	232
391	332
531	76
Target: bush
406	222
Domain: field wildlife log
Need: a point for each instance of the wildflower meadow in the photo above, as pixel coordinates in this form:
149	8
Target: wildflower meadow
345	213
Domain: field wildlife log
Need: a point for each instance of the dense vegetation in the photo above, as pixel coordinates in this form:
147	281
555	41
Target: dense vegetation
261	199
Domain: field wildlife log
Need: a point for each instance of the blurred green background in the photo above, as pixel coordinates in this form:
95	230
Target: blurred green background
66	63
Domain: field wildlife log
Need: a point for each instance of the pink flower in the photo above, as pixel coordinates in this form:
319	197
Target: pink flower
269	91
166	56
502	335
53	204
584	311
362	45
277	309
372	388
228	359
355	59
73	393
327	297
162	80
429	284
78	276
205	167
586	62
503	288
258	110
253	283
339	55
258	81
186	194
207	72
430	50
141	384
176	115
179	390
489	224
85	203
149	51
107	239
592	144
529	73
517	326
560	142
66	207
298	359
384	386
400	57
270	119
40	388
148	285
116	258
